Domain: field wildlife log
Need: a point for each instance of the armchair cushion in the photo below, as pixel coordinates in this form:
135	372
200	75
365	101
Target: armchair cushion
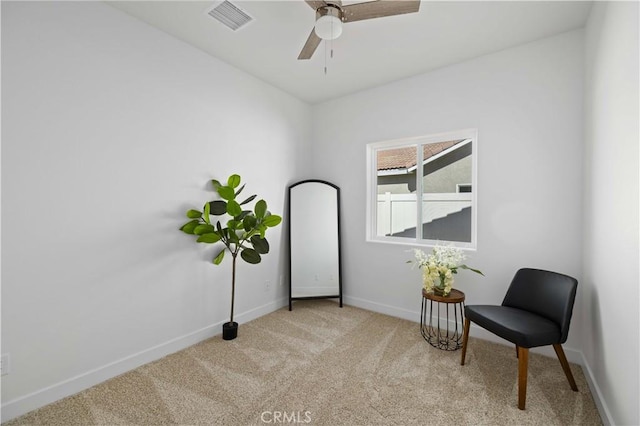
523	328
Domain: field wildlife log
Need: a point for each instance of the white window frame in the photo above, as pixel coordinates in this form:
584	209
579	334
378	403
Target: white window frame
372	188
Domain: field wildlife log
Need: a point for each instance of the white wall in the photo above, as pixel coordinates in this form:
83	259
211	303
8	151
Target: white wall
526	103
111	129
610	278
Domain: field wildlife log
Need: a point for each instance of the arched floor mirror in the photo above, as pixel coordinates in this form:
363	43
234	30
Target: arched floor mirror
314	241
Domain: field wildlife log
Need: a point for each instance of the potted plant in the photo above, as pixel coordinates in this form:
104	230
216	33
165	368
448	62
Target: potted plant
243	232
439	267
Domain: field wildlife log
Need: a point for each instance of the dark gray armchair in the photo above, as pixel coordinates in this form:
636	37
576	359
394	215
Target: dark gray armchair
536	311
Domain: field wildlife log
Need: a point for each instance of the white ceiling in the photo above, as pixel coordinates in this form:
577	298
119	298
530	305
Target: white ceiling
369	53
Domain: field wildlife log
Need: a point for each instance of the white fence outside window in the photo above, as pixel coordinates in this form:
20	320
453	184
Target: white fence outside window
397	212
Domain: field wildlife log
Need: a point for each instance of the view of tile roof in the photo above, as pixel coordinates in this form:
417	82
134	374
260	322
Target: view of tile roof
405	158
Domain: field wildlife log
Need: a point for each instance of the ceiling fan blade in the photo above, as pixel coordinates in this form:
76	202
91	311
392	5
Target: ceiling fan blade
310	46
378	9
315	4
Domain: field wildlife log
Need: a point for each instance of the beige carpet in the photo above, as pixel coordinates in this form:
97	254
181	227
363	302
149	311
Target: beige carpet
323	365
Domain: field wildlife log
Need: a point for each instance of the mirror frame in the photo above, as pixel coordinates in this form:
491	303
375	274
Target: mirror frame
337	191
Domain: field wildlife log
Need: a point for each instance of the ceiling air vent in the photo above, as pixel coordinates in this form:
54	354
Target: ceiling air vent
230	15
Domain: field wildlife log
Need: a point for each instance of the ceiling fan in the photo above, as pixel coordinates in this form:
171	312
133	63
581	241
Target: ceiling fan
330	15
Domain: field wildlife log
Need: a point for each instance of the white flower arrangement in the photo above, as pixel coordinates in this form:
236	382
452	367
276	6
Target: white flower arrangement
439	266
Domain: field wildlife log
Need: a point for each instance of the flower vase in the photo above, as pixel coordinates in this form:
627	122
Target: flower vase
441	289
438	291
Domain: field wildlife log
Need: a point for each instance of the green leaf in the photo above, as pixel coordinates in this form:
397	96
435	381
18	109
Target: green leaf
209	238
203	229
226	193
249	222
248	200
218	259
261	245
188	227
271	221
250	256
216	184
205	215
218	208
260	209
233	236
233	208
239	190
471	269
194	214
233	224
233	181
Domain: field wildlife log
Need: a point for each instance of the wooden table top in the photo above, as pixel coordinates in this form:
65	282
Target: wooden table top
456	296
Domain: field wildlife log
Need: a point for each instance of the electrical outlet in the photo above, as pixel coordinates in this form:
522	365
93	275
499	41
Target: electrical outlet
4	364
267	285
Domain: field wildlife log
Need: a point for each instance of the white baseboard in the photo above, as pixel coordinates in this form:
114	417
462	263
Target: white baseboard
382	309
573	355
598	397
40	398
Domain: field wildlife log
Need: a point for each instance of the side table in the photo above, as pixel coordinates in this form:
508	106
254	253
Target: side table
439	335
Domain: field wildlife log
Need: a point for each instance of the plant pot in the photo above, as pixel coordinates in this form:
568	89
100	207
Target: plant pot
229	330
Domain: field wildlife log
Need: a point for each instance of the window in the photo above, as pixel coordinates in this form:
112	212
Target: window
422	191
464	187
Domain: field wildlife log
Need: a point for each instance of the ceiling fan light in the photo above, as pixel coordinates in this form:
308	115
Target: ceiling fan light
328	27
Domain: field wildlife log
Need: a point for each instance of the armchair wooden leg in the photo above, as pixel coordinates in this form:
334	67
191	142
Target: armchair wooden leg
523	361
565	366
465	338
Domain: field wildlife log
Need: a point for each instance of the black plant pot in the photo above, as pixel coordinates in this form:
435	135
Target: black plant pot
229	330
